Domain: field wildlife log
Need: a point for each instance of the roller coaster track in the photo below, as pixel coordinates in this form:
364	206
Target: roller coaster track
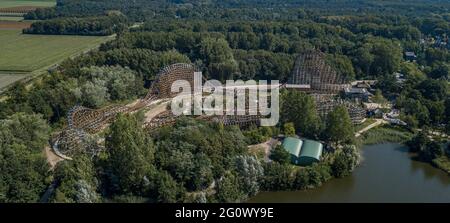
311	73
83	122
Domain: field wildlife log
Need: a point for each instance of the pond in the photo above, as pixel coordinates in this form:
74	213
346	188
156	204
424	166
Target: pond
388	173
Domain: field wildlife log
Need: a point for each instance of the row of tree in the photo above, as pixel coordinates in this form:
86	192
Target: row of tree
89	26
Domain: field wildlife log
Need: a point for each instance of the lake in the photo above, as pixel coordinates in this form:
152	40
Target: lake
387	174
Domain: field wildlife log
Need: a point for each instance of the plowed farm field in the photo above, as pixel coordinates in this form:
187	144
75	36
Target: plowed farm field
26	3
14	25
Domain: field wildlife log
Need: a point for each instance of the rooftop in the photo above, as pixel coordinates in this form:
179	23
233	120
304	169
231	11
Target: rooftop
303	152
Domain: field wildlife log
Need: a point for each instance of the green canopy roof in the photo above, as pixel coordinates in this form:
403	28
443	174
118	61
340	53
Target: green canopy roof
303	152
292	145
311	149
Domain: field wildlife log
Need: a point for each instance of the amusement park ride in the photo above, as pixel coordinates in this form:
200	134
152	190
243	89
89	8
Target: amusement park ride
311	74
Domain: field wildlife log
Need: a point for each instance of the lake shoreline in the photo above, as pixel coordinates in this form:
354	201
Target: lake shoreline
399	178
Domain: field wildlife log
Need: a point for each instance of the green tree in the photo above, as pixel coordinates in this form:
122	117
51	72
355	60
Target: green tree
432	151
280	155
121	83
343	65
441	70
418	142
412	73
30	130
434	89
301	180
339	128
218	57
300	109
387	56
340	166
289	129
131	154
378	97
23	167
363	61
228	189
447	111
93	94
167	189
437	111
249	171
76	181
277	176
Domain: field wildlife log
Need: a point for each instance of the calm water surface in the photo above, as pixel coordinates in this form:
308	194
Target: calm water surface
387	174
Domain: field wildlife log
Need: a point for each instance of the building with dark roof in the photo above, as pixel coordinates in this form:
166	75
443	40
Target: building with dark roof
357	93
411	56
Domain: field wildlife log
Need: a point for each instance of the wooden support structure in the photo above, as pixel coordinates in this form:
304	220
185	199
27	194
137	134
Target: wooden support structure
84	121
312	74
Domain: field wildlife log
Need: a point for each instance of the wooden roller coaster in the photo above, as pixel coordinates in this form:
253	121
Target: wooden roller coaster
82	121
315	75
311	73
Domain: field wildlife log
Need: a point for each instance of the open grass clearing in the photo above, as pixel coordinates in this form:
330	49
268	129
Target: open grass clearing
23	56
27	53
9	78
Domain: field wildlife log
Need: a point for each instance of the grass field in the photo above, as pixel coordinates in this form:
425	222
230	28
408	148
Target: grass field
384	134
15	3
29	55
7	79
6	6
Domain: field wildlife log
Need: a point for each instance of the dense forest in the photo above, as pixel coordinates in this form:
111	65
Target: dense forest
195	161
90	26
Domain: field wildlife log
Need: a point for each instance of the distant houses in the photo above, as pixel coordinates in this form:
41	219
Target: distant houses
303	152
410	56
400	78
358	93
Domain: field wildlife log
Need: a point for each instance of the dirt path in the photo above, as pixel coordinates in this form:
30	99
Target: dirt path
373	125
266	147
52	158
158	109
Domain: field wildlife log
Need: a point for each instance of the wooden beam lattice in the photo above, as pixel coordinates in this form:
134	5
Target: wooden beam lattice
312	69
83	121
325	104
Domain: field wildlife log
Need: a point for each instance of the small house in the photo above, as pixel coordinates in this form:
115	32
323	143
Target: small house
357	93
410	56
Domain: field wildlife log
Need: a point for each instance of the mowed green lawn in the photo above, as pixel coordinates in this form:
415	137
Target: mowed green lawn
15	3
28	53
7	79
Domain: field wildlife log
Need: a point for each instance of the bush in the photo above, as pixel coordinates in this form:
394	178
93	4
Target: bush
431	151
340	166
277	177
280	155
